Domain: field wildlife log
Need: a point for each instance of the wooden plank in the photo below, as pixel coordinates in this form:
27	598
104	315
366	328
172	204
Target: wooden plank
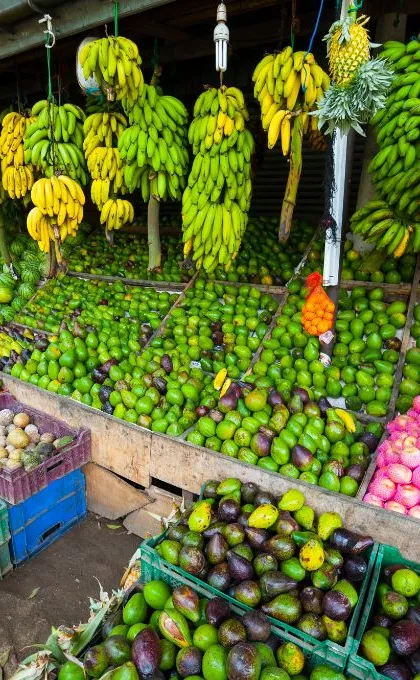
148	520
188	466
390	289
118	446
170	286
110	496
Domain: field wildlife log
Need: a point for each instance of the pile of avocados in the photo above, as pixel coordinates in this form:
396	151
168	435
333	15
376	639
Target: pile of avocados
273	555
163	634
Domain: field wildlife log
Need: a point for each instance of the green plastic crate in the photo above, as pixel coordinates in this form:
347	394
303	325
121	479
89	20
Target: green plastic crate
153	566
4	523
5	563
359	667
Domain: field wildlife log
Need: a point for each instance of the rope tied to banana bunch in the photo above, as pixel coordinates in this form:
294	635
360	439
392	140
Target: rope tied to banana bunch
116	18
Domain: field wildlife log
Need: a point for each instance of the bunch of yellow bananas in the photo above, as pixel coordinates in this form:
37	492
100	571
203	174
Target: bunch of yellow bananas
106	169
102	129
154	148
217	199
58	211
284	83
115	62
55	140
17	179
116	212
217	114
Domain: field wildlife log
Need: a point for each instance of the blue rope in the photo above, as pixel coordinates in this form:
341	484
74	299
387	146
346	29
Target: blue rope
315	31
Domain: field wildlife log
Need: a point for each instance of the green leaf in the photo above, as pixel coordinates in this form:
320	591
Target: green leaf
82	639
113	526
34	593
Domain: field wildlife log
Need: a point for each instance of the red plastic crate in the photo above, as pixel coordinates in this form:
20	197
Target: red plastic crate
18	485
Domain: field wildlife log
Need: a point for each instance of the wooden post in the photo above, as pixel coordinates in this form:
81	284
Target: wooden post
153	234
389	27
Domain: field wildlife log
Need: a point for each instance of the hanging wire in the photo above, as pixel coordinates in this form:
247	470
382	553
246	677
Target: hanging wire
50	90
116	18
311	42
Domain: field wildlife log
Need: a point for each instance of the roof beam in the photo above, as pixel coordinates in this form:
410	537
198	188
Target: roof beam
74	17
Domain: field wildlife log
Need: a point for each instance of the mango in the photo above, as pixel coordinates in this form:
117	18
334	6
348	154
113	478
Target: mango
174	627
263	517
228	485
292	500
200	518
311	555
328	522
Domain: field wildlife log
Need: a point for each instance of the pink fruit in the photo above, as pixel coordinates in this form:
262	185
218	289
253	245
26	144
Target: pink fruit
400	474
391	457
407	494
415	511
410	456
381	459
416	477
382	487
416	403
373	500
395	507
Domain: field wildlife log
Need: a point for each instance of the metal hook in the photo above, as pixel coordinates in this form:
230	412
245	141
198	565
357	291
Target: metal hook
49	32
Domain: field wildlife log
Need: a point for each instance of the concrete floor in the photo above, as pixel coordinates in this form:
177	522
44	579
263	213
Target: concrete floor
64	574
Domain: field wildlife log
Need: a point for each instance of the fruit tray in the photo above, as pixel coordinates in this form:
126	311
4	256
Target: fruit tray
154	567
359	667
18	485
46	516
327	651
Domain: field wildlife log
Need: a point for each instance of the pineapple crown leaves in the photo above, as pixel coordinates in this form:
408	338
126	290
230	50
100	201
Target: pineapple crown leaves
349	107
344	26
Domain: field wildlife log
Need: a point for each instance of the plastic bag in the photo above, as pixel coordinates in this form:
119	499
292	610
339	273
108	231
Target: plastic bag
318	310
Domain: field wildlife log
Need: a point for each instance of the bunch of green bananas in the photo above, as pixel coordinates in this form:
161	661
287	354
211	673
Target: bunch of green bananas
217	199
115	62
377	224
395	169
55	140
154	148
286	82
217	114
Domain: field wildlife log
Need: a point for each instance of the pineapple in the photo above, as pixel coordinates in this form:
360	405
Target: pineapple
359	83
348	48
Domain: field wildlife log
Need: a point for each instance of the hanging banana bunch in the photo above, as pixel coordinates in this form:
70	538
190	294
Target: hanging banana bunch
288	86
216	201
360	83
55	140
58	211
17	177
115	62
116	213
104	163
284	83
391	221
154	148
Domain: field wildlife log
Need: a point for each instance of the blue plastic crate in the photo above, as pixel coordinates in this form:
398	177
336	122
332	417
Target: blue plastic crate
46	516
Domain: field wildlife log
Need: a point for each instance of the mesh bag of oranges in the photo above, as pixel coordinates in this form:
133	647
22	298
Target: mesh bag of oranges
318	310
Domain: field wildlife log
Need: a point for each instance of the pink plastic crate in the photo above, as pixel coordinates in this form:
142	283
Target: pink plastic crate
18	485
